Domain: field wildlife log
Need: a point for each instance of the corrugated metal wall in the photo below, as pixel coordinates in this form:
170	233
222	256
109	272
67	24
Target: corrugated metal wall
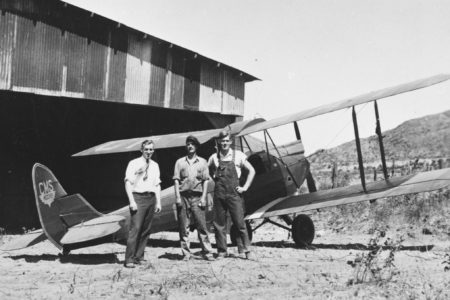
137	83
158	74
221	90
191	84
80	56
117	69
231	102
75	52
6	46
177	80
96	62
210	88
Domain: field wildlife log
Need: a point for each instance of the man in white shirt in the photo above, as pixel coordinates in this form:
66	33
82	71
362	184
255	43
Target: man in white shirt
225	168
142	184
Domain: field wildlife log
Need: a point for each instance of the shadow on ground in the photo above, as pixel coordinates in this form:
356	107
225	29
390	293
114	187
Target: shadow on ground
351	246
169	243
82	259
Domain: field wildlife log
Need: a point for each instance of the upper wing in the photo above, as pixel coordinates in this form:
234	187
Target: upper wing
251	126
164	141
416	183
327	108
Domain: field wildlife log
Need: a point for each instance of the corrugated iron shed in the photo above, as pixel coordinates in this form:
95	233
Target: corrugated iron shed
54	48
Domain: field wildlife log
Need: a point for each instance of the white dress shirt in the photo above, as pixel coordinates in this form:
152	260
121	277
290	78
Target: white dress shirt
135	174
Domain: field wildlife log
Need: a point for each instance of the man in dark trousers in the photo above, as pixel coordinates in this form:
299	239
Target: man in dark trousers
191	186
225	167
142	184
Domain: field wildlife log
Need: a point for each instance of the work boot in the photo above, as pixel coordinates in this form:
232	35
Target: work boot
186	257
221	255
208	257
129	265
141	261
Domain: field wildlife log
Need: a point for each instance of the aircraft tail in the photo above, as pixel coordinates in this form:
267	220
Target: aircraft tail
57	210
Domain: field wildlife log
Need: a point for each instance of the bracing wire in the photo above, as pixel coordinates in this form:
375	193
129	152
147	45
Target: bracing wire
345	126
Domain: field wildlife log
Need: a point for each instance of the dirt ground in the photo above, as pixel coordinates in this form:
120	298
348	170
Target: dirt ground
280	270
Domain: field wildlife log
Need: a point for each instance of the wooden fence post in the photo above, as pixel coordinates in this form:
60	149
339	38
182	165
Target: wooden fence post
333	175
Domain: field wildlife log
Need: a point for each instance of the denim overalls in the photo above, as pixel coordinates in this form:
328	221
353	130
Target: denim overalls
226	198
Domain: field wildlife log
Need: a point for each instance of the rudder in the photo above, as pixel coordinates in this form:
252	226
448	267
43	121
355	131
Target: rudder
57	210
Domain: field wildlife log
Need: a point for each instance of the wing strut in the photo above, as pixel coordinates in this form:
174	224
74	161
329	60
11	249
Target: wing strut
245	140
267	151
358	150
297	131
279	156
380	141
240	142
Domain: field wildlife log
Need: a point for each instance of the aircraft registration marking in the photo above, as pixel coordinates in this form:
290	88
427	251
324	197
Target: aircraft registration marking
46	192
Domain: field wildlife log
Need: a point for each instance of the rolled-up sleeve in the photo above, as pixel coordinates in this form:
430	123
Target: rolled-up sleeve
205	175
129	173
211	166
242	158
176	171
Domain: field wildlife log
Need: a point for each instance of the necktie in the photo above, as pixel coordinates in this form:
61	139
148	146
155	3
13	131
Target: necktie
146	170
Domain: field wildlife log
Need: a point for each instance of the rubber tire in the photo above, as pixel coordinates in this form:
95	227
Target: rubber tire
234	233
303	231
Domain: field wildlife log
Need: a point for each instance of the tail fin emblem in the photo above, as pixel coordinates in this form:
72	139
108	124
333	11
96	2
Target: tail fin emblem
46	192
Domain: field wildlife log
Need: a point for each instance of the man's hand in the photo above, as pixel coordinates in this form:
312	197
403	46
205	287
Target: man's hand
241	189
133	206
157	207
210	202
178	200
202	202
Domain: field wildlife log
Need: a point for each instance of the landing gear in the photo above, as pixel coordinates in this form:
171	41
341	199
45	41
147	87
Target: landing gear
303	231
301	227
65	251
64	254
234	233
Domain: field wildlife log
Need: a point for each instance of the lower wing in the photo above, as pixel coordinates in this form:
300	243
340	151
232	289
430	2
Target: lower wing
416	183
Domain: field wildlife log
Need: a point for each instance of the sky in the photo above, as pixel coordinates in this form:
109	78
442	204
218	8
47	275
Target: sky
309	53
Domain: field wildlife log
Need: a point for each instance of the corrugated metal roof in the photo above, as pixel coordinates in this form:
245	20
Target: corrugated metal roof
248	77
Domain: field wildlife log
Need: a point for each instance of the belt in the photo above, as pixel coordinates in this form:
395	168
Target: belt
144	193
191	193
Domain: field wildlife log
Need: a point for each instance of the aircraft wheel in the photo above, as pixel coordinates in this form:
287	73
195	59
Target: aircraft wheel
234	233
303	230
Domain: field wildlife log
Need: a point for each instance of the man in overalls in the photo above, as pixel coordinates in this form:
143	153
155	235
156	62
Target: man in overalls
225	167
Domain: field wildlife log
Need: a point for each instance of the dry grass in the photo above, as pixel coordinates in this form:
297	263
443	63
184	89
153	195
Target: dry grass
416	213
376	265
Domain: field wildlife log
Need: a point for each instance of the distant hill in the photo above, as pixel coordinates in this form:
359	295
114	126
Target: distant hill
423	138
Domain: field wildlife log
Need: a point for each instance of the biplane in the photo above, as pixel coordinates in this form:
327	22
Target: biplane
70	222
